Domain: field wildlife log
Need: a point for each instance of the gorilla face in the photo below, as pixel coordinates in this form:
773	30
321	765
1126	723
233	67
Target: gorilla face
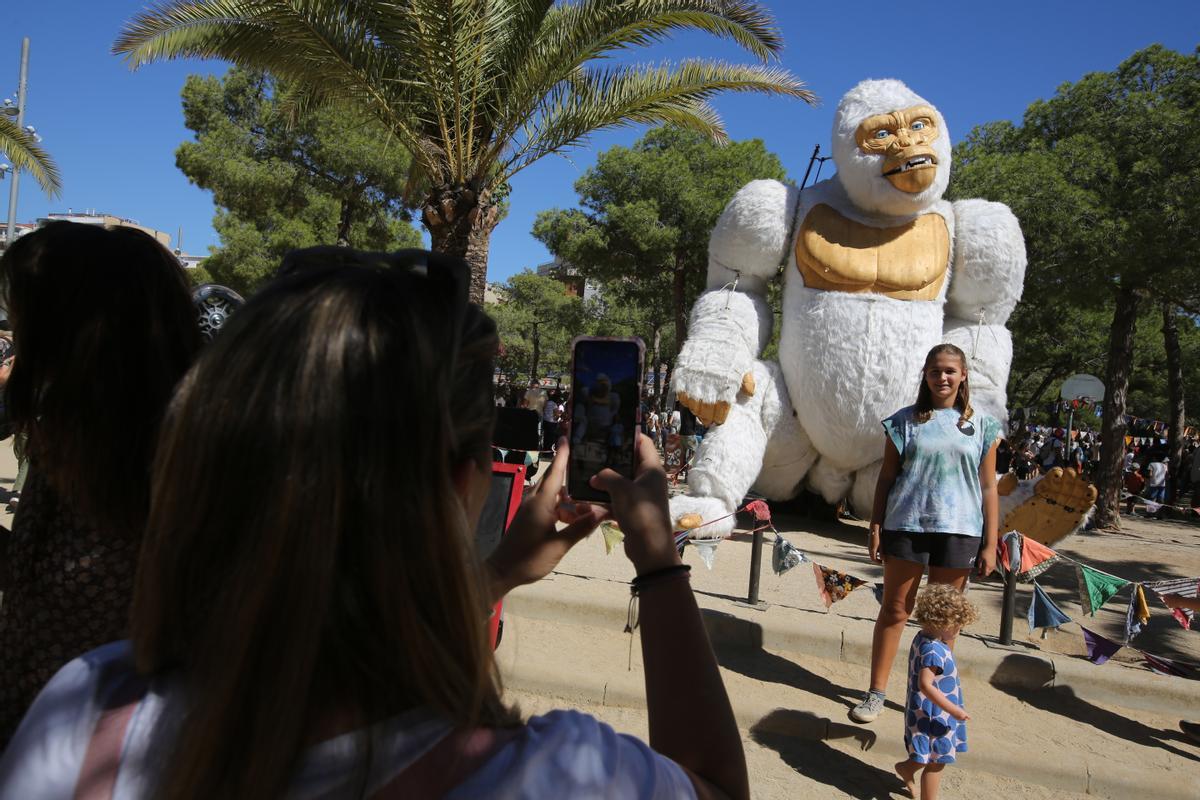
891	149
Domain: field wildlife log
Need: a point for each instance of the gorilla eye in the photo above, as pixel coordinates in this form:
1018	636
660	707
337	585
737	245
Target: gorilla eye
882	133
918	125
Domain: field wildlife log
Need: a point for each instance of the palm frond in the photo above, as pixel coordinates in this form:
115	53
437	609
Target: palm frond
23	151
574	34
595	100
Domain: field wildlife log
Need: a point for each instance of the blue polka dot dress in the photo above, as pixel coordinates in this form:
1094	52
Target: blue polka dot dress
931	735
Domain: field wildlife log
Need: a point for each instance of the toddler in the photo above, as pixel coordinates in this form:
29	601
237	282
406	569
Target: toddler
935	724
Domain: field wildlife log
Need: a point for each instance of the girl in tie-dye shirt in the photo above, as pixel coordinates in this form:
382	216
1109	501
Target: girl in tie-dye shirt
936	505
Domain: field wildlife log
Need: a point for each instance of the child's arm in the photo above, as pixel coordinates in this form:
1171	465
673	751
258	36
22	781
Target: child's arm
929	688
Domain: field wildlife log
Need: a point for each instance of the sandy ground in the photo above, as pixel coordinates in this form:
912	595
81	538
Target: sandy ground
1027	744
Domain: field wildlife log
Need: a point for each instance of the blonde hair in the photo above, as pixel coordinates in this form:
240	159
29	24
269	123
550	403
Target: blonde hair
942	606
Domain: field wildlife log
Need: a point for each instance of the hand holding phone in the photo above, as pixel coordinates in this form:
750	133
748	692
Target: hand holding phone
606	390
640	507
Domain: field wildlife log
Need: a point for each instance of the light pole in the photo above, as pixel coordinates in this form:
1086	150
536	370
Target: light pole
20	114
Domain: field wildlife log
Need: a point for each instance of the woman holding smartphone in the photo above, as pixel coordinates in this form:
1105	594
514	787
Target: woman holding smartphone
310	616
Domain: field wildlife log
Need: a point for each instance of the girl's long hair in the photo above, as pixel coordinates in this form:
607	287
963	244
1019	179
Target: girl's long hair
104	328
962	400
307	558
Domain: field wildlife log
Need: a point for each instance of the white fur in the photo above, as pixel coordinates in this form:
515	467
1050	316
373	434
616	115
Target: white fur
861	173
846	360
728	330
989	262
751	235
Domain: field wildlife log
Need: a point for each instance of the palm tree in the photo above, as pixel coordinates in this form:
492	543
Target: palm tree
477	90
21	148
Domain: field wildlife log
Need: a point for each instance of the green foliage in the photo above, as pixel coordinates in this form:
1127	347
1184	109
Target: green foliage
1106	183
647	211
21	148
476	90
527	297
328	177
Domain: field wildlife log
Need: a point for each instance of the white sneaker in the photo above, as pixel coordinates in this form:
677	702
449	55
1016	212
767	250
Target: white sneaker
869	709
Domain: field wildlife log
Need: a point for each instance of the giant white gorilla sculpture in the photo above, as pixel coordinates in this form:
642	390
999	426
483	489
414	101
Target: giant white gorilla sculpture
878	268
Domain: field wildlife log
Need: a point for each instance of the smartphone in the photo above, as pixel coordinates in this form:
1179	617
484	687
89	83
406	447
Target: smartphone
606	392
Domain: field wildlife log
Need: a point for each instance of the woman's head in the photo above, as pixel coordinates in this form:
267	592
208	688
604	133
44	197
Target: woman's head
103	328
941	607
944	383
307	548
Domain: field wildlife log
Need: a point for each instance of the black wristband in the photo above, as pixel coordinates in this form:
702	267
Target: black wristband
659	575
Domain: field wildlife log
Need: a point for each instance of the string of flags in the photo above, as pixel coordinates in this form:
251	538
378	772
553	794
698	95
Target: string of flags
1029	559
1096	587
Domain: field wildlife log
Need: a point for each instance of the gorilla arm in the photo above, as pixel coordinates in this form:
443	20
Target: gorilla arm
730	327
985	284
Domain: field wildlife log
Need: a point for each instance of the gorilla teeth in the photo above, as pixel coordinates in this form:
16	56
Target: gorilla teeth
916	162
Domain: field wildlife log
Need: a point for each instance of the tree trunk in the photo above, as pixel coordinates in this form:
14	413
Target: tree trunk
678	286
344	220
537	352
460	221
1175	407
656	364
1112	450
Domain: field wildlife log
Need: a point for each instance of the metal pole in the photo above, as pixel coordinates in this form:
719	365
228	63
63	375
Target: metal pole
755	567
1010	605
1067	447
16	173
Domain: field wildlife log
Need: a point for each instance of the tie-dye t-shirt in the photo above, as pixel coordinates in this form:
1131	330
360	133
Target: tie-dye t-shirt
937	489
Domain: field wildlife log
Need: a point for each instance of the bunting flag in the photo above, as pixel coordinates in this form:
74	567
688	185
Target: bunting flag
1184	587
1033	557
1095	587
834	585
877	590
760	510
612	534
1009	552
1099	649
784	555
1165	666
1043	613
1138	614
707	548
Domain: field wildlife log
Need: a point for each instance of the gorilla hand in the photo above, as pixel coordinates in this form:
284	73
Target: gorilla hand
717	359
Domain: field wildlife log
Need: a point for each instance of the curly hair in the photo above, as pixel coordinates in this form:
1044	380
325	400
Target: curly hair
942	606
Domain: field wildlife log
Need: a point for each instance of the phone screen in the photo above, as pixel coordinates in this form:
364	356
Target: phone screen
606	376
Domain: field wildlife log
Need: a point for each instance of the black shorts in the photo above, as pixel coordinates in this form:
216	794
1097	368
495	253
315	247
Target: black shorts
949	550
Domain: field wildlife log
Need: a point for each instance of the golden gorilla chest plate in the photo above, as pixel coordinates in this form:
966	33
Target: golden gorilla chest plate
908	262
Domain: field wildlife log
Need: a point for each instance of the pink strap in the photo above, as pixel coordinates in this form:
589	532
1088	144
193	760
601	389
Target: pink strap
447	763
98	775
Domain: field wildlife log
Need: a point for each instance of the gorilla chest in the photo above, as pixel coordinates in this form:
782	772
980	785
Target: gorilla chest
907	262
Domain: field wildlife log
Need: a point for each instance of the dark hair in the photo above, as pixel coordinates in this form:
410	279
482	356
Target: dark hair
103	328
306	554
925	397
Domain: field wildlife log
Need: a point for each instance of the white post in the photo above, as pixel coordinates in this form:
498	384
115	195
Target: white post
16	173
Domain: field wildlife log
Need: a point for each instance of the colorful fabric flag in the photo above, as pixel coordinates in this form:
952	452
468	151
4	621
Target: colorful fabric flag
1095	587
1009	552
1138	613
877	590
1165	666
1043	613
834	585
1184	587
1099	649
760	510
1032	557
784	555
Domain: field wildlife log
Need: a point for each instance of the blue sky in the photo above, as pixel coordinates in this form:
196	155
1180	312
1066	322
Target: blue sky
114	132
